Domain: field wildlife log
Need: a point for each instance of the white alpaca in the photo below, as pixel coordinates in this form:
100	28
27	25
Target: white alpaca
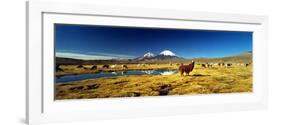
113	66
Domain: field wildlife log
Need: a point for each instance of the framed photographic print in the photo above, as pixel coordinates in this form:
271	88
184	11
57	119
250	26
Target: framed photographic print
90	62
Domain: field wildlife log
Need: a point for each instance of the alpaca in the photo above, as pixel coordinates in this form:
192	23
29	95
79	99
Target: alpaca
186	68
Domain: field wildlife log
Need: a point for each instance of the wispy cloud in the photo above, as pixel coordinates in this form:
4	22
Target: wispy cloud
92	56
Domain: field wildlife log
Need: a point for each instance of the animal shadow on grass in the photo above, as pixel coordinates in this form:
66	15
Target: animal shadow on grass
197	74
164	90
88	87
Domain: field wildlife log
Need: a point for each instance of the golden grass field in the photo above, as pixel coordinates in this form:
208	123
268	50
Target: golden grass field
73	70
236	78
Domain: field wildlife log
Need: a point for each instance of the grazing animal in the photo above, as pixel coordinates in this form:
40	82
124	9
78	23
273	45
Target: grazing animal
94	67
143	65
80	66
203	65
248	64
125	66
209	65
58	68
186	68
170	63
239	64
215	64
113	66
228	65
178	64
221	64
105	66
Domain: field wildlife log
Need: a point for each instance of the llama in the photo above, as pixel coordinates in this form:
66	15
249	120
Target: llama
58	68
80	66
221	64
186	68
94	67
105	66
203	65
113	66
248	64
125	66
209	65
215	64
228	65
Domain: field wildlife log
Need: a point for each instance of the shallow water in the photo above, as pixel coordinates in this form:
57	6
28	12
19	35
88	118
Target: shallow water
71	78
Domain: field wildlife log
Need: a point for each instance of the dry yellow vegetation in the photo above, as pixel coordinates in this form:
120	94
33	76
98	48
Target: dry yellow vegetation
73	70
201	81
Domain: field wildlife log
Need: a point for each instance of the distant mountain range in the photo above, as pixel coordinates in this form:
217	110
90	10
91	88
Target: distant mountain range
165	56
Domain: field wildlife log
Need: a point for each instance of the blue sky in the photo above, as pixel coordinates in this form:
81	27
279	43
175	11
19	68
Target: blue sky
111	42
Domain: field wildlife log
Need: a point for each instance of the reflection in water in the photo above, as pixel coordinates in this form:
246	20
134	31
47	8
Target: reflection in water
149	72
168	72
123	72
71	78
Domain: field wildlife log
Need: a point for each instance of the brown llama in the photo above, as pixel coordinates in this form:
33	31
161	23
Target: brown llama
204	65
248	64
229	64
186	68
94	67
125	66
209	65
80	66
105	66
58	68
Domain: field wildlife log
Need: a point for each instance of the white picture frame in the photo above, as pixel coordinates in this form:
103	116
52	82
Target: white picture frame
41	107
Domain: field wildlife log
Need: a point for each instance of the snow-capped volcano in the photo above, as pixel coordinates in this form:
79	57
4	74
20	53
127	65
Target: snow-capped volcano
148	55
167	53
164	55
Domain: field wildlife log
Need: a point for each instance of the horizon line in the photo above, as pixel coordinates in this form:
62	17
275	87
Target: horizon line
79	56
